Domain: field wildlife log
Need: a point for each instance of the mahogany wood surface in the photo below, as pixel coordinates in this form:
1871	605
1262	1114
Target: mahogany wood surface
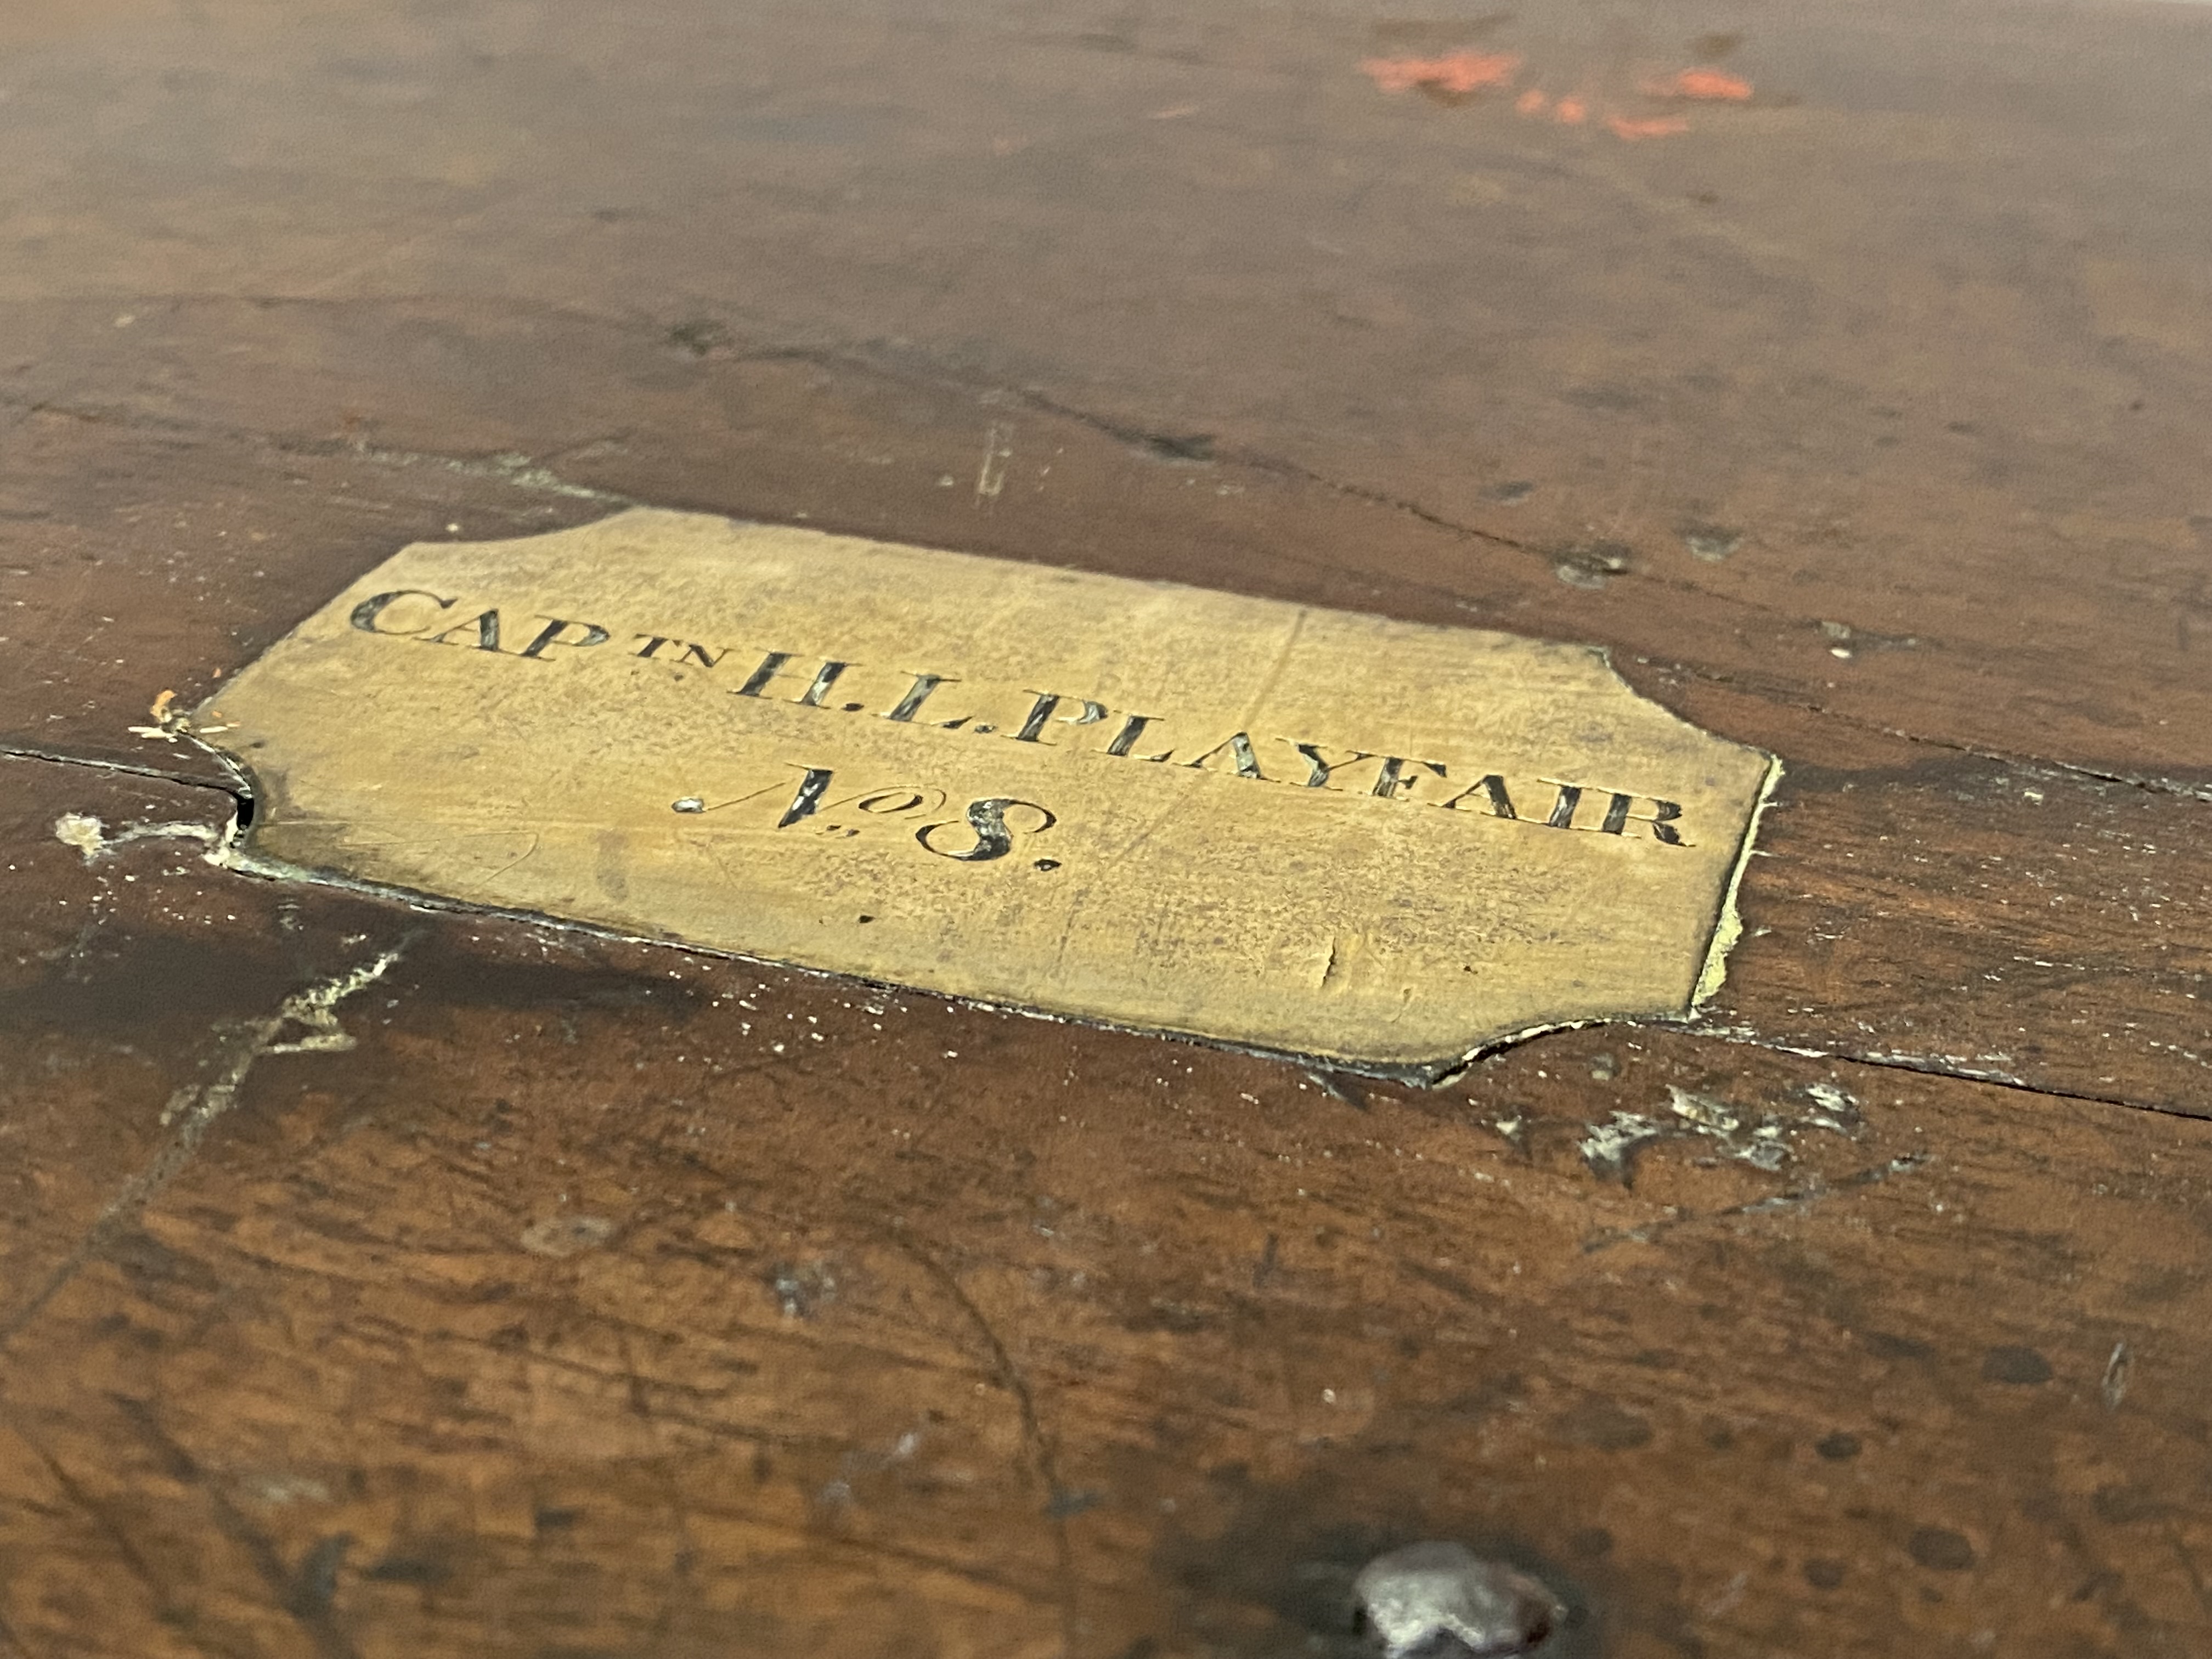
550	1295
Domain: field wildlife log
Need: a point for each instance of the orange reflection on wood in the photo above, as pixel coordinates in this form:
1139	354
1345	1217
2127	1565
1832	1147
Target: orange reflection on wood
1455	72
1704	85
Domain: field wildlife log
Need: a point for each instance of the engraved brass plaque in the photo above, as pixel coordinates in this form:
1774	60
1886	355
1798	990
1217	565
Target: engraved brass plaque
1381	845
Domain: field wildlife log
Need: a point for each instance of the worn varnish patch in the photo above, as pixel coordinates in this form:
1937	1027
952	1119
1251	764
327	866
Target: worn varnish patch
1291	828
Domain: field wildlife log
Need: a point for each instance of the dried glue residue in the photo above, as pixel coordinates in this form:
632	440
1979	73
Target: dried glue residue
89	835
85	833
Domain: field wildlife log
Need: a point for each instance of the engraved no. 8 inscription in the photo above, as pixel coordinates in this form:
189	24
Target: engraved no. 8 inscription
980	831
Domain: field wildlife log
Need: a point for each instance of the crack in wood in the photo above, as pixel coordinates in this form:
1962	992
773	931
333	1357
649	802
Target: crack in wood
1801	1197
1919	1065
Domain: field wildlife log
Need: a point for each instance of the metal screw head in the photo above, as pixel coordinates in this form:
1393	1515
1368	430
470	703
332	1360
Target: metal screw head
1441	1600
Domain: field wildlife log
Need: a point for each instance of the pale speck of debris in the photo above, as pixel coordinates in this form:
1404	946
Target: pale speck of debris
88	835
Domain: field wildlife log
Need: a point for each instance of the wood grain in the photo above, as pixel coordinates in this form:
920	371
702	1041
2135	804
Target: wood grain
604	1299
1889	865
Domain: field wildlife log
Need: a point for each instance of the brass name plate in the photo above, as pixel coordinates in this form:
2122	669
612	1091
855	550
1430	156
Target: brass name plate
1378	844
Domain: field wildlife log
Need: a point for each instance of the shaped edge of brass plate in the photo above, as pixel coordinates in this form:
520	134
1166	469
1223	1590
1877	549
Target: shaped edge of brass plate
1378	846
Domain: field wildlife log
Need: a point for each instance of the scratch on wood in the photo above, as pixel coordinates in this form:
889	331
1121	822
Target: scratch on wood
991	476
1341	1090
305	1595
1042	1454
2115	1386
1802	1198
192	1110
110	1529
523	471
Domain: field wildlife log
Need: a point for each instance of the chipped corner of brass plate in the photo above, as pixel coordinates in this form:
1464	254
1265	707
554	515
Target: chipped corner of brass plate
1378	845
